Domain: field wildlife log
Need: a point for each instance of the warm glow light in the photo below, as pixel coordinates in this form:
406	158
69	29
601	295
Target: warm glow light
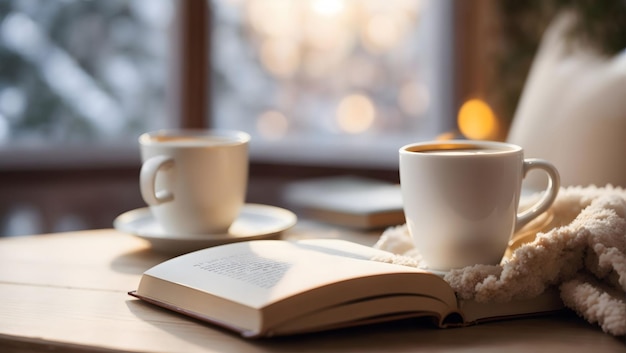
274	18
320	35
381	33
323	32
325	43
272	125
355	113
476	120
281	57
327	8
315	37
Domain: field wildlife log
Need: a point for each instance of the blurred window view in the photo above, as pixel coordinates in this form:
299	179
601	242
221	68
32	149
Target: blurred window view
326	82
332	81
82	73
79	81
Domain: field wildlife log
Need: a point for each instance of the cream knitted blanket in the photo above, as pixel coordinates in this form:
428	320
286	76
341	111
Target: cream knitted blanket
579	245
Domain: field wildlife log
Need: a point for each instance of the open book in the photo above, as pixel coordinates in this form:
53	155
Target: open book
276	287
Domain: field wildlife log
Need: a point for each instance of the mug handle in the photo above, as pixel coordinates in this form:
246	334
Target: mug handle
549	195
147	180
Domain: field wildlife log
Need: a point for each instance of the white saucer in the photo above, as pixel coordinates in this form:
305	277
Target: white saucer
254	222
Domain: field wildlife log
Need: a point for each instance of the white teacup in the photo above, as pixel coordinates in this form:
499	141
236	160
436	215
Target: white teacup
461	199
194	180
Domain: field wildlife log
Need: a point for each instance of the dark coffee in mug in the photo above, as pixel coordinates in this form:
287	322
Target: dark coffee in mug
456	149
461	151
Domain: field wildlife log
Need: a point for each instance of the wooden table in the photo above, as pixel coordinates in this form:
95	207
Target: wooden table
68	292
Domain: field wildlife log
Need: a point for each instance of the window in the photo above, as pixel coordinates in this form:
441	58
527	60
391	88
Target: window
332	81
79	76
79	81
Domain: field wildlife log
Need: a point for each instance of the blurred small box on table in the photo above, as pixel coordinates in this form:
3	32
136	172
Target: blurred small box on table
349	201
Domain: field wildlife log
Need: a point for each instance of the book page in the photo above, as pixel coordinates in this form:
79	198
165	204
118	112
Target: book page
260	273
249	268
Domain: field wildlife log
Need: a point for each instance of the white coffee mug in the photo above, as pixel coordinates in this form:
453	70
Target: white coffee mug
461	199
194	180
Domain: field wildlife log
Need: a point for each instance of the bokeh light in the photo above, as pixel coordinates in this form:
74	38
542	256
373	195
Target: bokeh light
381	33
272	125
346	67
355	114
328	7
274	18
477	121
281	57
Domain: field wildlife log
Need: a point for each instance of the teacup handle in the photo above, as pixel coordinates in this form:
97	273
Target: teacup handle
554	183
147	180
